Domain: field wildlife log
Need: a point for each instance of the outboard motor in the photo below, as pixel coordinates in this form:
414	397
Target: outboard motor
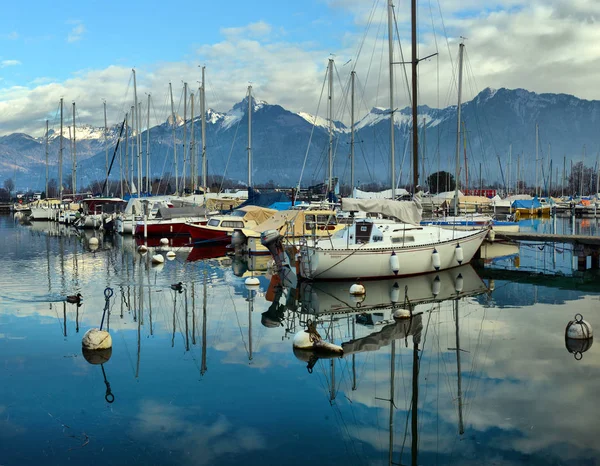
271	239
238	238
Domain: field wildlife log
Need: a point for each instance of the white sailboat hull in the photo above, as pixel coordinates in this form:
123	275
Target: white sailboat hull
373	261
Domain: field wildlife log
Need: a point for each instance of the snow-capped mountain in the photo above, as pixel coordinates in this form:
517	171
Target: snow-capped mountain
493	121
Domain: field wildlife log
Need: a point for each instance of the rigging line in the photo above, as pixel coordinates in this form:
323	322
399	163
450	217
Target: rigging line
238	322
237	127
402	58
312	132
364	38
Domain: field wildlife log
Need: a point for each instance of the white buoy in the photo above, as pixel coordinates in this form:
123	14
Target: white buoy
435	259
436	286
252	282
491	236
458	283
357	289
395	293
458	253
402	314
306	341
158	259
491	284
93	241
142	248
394	263
171	255
96	339
164	241
579	329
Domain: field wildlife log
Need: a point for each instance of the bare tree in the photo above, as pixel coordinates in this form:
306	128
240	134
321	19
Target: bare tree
9	185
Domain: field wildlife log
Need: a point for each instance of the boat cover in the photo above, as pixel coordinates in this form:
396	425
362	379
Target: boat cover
404	211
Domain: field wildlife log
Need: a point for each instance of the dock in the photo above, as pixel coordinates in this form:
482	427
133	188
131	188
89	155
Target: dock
583	246
5	207
584	240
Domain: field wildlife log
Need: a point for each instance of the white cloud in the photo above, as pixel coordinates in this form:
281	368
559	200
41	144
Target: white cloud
511	43
77	32
5	63
258	29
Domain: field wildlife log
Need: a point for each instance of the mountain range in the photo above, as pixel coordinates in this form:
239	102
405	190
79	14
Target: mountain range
496	123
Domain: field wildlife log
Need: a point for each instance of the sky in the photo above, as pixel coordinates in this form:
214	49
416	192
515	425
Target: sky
84	52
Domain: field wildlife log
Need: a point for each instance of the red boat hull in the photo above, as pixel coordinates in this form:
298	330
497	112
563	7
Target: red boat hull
165	229
209	234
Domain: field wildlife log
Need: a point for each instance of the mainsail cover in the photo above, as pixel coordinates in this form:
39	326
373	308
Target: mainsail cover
404	211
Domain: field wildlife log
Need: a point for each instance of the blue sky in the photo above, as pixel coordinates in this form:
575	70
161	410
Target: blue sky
84	51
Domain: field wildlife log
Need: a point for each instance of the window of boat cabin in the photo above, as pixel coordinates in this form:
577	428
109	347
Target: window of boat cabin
232	224
325	219
309	222
213	222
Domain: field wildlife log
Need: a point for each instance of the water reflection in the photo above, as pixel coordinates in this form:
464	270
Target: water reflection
479	374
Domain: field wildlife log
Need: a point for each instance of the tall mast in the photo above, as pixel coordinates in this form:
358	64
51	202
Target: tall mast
564	175
461	429
121	159
597	173
352	77
106	145
126	165
536	159
174	139
133	110
509	167
461	48
249	137
415	62
74	171
391	72
193	170
581	185
184	133
148	184
60	153
137	130
330	111
203	124
46	158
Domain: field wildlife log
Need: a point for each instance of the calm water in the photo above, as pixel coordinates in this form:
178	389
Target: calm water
208	376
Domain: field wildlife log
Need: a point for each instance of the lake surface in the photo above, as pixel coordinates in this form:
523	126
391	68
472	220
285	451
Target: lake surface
480	375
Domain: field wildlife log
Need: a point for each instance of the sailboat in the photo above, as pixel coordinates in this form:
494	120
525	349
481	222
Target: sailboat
372	248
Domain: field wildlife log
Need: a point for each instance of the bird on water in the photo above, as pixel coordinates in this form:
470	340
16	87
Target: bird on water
74	299
177	287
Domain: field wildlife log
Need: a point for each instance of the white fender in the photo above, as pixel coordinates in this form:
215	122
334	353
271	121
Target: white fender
436	286
458	283
435	259
395	293
394	263
458	253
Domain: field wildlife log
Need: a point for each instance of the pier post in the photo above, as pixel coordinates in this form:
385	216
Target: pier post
596	259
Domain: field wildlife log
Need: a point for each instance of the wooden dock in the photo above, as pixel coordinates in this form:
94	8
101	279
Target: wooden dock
584	240
5	207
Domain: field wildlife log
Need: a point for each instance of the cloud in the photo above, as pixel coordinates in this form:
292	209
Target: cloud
5	63
77	31
258	29
512	44
13	35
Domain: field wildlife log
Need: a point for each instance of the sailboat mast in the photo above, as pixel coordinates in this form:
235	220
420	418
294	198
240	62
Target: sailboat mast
536	159
106	146
392	391
203	129
173	122
391	73
415	62
461	429
126	154
249	137
352	77
132	147
461	48
184	133
193	170
148	184
330	148
137	131
46	158
60	153
74	171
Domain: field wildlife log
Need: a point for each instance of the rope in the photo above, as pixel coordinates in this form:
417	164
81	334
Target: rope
108	292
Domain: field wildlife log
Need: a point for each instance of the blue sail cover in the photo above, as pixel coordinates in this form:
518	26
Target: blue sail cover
261	199
527	204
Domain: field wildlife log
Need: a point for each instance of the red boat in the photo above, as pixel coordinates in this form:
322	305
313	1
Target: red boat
219	228
171	222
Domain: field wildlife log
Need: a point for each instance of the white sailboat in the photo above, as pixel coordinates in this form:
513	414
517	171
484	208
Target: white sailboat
384	248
